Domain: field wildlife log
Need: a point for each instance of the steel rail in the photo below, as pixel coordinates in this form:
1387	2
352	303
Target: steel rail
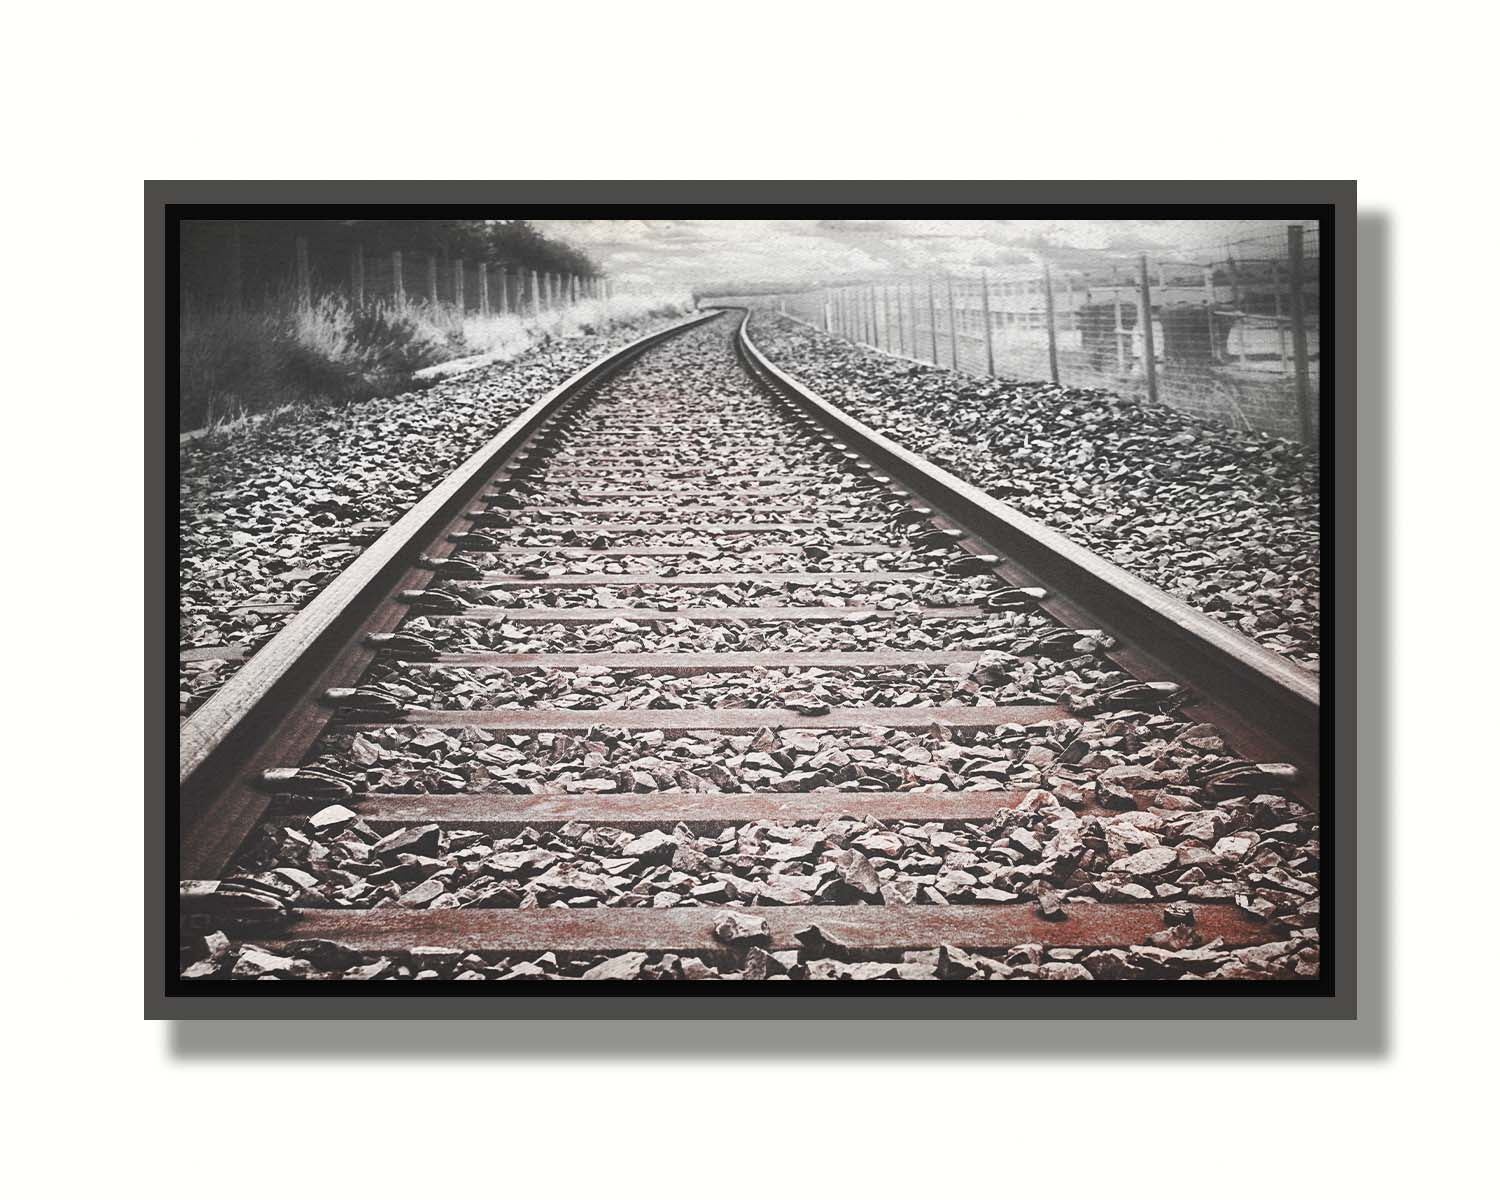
1271	705
273	701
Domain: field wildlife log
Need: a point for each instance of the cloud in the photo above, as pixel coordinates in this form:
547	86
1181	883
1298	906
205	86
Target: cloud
685	254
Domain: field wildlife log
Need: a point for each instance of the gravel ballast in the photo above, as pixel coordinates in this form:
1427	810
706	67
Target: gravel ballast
1110	792
1223	519
271	511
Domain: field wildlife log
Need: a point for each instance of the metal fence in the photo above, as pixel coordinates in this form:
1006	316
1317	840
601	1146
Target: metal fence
1233	333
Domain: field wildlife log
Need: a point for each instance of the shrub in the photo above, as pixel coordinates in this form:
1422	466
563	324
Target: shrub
232	363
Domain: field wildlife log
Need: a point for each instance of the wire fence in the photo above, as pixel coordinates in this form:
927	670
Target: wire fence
1233	333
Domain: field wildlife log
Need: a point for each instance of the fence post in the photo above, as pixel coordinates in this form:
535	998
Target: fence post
1280	324
236	281
432	295
458	286
1148	338
911	294
398	285
304	275
1299	331
1119	322
536	295
357	274
932	318
885	312
1234	300
1208	300
952	325
484	288
1051	321
989	333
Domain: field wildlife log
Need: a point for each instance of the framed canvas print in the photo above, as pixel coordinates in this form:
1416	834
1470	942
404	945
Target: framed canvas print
770	600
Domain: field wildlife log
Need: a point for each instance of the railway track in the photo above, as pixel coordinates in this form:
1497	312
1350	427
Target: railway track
688	674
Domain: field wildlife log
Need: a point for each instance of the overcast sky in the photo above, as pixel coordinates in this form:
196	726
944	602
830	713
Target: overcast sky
687	254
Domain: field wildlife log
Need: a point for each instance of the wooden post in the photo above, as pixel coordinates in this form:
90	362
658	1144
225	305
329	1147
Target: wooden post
1208	312
357	275
989	333
952	325
932	317
235	289
398	285
911	305
432	294
1051	321
1280	325
827	304
1299	331
1119	322
484	289
1234	299
900	321
536	295
885	311
458	285
304	275
1148	338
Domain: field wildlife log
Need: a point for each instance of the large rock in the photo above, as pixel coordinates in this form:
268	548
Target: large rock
622	966
1151	861
742	929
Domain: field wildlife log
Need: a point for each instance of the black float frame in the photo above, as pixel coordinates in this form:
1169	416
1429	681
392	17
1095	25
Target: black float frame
1332	997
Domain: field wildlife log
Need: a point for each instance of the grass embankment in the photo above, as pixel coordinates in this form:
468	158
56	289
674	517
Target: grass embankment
235	364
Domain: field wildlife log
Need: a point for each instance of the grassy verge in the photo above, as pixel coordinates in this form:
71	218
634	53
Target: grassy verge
234	364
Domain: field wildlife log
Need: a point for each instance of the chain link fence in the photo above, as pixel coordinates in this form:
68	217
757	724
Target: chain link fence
1233	333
